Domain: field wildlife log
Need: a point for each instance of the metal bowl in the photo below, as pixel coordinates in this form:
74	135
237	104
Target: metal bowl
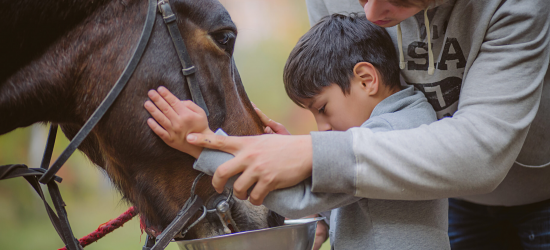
294	235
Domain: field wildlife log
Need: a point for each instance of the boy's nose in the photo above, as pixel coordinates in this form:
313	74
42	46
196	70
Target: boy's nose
324	126
322	123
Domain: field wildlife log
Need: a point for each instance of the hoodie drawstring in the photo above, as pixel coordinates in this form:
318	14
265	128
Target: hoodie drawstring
431	64
400	46
431	67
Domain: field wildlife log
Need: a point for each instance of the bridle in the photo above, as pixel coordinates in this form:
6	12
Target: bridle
191	206
47	175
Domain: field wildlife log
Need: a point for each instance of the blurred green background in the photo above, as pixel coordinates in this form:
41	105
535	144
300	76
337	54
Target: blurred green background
268	30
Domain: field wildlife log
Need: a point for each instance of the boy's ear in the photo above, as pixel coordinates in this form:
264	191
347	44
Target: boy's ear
367	75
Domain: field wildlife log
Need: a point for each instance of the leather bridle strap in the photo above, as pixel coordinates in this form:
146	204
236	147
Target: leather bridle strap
191	207
60	221
188	67
111	97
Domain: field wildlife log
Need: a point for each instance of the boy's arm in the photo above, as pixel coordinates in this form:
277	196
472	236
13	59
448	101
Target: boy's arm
299	201
294	202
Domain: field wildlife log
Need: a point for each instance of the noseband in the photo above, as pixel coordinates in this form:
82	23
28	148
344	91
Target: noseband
48	175
192	206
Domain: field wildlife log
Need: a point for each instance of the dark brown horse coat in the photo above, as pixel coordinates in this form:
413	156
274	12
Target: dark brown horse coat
61	57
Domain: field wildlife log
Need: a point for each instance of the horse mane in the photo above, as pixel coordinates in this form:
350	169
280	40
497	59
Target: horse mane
29	27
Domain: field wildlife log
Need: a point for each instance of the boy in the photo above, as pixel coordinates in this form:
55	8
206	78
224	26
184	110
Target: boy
345	71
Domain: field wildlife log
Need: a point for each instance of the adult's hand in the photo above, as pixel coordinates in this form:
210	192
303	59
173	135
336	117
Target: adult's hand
269	161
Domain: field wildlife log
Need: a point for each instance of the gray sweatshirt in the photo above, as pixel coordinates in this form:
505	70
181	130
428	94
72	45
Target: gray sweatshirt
359	223
492	145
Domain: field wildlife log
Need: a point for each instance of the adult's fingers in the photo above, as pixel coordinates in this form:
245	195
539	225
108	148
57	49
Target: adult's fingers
226	171
229	144
243	184
162	105
259	193
159	116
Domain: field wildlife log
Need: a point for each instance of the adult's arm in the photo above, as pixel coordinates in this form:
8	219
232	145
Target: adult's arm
294	202
467	154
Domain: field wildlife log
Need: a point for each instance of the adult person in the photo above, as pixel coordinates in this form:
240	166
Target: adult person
483	66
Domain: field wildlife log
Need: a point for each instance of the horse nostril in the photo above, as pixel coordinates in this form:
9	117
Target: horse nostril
230	226
274	219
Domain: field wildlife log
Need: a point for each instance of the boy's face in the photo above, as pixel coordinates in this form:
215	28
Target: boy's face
334	110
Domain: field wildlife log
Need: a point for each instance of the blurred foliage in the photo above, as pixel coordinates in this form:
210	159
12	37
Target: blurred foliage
268	30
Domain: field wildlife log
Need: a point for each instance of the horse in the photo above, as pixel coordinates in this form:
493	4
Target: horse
61	57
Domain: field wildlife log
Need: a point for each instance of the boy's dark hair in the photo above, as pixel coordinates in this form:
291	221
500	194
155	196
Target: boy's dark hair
329	51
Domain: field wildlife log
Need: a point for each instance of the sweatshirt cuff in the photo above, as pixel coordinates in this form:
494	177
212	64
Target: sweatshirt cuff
209	160
333	169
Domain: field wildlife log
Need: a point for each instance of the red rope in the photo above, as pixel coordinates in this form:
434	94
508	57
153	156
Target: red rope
106	228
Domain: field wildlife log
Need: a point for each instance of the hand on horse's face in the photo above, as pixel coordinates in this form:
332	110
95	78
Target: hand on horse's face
175	119
271	126
269	161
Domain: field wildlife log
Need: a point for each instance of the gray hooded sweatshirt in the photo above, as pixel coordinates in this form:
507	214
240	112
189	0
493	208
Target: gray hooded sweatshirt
359	223
492	145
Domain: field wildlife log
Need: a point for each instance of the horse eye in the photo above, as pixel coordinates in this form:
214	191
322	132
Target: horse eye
225	39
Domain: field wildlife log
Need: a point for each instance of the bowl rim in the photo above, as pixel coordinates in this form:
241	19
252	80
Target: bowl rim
288	224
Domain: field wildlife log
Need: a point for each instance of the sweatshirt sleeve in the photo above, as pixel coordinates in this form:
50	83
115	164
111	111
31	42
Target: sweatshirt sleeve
298	201
209	160
294	202
469	153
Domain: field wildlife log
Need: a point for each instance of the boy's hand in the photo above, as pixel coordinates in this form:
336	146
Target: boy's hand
321	235
271	126
174	119
321	232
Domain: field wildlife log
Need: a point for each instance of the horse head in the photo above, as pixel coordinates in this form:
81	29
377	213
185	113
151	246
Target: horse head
65	77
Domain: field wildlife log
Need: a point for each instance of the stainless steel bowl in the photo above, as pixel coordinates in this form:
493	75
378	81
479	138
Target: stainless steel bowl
294	235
